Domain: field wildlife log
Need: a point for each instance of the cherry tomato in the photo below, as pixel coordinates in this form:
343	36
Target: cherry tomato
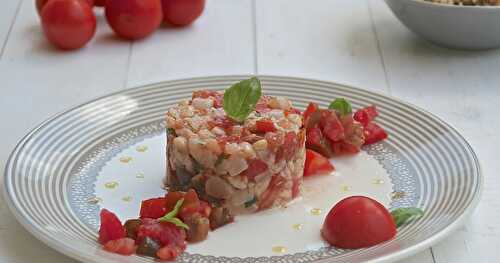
374	133
68	24
153	208
41	3
133	19
316	164
366	115
101	3
357	222
265	126
182	12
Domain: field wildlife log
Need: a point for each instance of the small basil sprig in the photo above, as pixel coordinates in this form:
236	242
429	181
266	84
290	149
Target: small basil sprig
171	216
402	216
341	105
241	98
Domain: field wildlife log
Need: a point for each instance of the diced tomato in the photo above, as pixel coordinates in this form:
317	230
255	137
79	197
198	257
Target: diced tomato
316	164
292	111
331	126
171	199
262	106
289	145
123	246
153	208
274	140
218	97
168	253
111	228
255	167
190	205
366	115
374	133
265	126
204	209
272	192
224	123
315	141
167	234
340	148
312	107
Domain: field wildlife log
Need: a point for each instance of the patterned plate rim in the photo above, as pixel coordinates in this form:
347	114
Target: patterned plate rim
391	257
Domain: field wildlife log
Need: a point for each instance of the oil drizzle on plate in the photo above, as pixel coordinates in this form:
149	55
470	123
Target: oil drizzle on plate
141	148
111	185
139	175
279	249
125	159
298	226
94	200
315	211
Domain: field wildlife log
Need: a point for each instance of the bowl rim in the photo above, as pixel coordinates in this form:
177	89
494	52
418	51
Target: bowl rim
457	6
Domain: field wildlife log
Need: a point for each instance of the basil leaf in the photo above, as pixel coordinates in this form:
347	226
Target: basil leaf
176	221
241	98
341	105
402	216
174	211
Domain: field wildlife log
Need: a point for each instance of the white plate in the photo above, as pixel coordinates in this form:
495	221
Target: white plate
109	153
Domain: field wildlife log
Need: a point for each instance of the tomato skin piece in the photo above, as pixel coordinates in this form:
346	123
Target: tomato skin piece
123	246
265	126
331	126
68	24
357	222
316	164
366	115
182	12
153	208
111	228
255	167
374	133
133	19
312	107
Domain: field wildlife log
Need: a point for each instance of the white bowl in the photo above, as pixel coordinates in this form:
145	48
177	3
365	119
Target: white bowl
462	27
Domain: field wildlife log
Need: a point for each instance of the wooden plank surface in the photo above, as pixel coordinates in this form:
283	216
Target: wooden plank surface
462	88
319	40
219	43
8	13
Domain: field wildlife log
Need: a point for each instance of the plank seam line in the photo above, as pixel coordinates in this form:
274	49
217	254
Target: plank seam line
432	255
255	42
379	48
4	44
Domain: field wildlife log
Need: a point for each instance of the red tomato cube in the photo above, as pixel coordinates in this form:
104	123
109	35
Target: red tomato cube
366	115
374	133
316	164
331	126
265	126
153	208
111	228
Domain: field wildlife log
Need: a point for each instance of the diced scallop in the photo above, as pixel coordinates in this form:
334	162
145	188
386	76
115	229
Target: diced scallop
231	148
260	145
238	181
205	134
234	165
218	188
280	103
247	150
218	131
180	144
202	104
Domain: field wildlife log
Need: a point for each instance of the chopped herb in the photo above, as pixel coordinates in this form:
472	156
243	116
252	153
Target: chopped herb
250	202
172	215
240	99
405	215
341	105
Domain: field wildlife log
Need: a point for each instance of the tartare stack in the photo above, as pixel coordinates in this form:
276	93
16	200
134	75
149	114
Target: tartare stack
239	165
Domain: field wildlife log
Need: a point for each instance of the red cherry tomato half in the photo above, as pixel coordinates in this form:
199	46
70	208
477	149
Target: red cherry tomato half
41	3
133	19
153	208
357	222
182	12
68	24
374	133
111	228
366	115
316	164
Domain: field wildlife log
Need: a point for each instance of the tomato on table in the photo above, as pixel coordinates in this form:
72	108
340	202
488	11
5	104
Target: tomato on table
41	3
68	24
357	222
133	19
182	12
374	133
100	3
316	164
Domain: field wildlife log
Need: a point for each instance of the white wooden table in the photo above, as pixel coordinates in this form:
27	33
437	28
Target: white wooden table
353	42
